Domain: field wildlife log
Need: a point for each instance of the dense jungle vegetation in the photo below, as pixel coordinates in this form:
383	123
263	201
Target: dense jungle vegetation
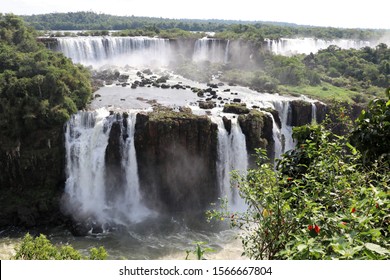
38	88
345	74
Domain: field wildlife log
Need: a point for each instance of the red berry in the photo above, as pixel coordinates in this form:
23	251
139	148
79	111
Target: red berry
317	229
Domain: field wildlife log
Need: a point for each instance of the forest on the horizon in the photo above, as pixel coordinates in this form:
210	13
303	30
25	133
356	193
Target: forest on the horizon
271	30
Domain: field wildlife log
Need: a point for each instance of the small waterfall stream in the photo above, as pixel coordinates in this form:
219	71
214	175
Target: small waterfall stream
232	155
283	108
226	57
277	137
313	113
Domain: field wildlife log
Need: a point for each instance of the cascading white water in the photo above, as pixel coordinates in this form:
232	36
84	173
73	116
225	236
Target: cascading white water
226	58
290	46
313	113
136	51
232	155
130	207
86	140
277	137
139	51
283	108
213	50
120	51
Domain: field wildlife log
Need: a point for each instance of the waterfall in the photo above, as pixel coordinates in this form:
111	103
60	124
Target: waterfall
88	193
130	205
226	58
137	51
283	108
291	46
277	137
85	144
140	51
134	51
232	155
313	113
213	50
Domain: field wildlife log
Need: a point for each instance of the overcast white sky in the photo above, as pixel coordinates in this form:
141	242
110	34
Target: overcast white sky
336	13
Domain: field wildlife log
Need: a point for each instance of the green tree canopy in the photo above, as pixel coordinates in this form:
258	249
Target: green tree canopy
38	88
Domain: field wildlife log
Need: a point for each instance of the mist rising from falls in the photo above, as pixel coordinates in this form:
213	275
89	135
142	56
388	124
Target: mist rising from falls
232	155
90	194
120	51
213	50
289	46
140	51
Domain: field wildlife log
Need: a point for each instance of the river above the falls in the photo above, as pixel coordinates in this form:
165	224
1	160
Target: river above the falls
123	96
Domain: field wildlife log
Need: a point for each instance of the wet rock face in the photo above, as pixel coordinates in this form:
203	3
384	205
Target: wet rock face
239	108
257	127
227	123
176	155
206	104
114	177
301	113
322	110
32	179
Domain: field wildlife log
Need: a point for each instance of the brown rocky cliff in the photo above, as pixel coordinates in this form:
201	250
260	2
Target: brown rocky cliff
257	127
114	173
176	155
301	113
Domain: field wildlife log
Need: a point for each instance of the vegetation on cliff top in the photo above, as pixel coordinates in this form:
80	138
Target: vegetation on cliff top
167	114
39	89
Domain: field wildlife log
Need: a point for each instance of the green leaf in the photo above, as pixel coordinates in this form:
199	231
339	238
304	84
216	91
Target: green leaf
301	247
352	148
376	248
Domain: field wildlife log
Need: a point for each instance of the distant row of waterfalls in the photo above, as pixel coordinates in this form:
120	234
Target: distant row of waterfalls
99	50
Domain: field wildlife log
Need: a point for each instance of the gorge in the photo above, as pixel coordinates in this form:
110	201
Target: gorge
148	152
